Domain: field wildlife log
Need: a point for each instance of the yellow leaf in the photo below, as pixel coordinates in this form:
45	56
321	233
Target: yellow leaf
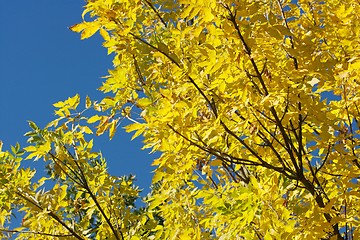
59	104
90	30
283	30
144	102
216	162
208	16
112	129
163	48
355	65
104	34
267	236
63	192
79	27
156	202
133	127
137	133
87	130
73	102
30	149
93	119
87	102
273	32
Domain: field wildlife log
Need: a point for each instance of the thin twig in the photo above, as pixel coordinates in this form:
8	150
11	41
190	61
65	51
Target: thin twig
93	197
156	11
50	213
156	48
296	65
36	233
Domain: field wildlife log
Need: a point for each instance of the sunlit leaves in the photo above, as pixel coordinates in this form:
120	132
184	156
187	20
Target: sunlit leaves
84	192
245	88
87	29
254	106
64	107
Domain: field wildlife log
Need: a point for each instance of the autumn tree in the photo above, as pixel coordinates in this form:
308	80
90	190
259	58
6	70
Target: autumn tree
253	105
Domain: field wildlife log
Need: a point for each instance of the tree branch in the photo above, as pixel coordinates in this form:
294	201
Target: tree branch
93	197
36	233
50	213
156	11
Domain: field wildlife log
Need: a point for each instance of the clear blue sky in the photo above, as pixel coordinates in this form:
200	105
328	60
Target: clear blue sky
42	62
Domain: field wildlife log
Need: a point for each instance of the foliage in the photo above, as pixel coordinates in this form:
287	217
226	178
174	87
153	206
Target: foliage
84	200
253	105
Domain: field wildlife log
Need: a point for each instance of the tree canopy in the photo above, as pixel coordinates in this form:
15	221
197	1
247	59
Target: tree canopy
253	105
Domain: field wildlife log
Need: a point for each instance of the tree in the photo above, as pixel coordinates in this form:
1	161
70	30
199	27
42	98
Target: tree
252	104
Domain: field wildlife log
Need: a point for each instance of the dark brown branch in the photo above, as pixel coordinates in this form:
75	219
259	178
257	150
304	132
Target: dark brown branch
312	13
255	154
263	114
51	214
296	65
156	48
286	106
264	67
355	161
312	127
232	18
273	135
291	142
57	160
138	71
293	130
156	11
320	202
286	140
284	163
36	233
243	173
316	180
297	185
324	161
243	143
333	174
93	197
220	155
252	81
210	103
300	136
213	182
300	175
262	162
226	167
177	64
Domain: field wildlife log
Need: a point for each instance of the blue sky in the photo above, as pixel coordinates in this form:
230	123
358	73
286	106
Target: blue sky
42	62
